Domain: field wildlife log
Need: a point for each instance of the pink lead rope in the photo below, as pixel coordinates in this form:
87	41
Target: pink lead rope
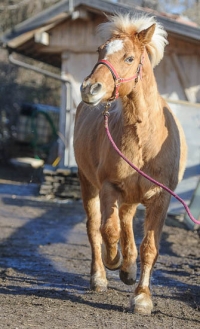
106	114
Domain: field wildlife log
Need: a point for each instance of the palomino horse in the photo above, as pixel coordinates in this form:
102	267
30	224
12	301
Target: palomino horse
145	130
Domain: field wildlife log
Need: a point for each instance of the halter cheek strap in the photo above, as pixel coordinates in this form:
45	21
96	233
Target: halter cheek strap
116	77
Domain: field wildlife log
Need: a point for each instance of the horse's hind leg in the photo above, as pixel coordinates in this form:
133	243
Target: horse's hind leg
91	202
110	226
155	215
128	269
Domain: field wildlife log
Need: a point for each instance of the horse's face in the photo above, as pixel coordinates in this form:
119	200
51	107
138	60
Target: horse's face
124	54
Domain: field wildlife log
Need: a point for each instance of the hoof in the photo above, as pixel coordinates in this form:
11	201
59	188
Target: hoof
142	304
98	284
129	277
117	262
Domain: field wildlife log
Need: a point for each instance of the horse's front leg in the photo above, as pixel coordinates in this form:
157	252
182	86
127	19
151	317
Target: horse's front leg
156	210
110	226
91	202
128	270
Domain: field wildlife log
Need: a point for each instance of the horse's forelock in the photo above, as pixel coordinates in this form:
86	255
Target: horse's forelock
131	25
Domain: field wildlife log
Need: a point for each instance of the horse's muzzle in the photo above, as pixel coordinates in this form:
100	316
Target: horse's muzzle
91	93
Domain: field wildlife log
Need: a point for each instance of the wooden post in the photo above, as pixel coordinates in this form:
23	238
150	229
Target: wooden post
182	77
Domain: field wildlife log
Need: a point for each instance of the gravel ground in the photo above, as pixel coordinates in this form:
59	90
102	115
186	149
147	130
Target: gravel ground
45	264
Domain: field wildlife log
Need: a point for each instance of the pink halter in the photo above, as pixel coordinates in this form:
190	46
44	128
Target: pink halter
116	77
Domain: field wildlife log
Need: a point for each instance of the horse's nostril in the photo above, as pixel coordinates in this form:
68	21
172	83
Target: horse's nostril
95	88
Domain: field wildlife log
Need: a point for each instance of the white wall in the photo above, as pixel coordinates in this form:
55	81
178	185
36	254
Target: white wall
180	80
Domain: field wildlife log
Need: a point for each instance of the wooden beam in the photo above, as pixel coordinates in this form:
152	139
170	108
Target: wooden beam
182	77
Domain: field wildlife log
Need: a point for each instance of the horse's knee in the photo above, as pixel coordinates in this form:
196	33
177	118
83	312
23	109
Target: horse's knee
110	232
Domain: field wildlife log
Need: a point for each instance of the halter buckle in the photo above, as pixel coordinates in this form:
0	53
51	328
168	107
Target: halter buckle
118	81
106	109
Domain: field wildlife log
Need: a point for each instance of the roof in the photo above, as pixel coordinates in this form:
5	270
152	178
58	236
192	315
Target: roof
21	38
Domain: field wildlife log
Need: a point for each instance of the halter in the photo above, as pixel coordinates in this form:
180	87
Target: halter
116	77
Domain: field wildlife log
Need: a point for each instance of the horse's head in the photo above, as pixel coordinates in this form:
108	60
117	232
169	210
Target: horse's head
120	59
118	67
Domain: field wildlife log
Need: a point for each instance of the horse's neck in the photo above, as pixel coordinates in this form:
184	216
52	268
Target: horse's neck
143	120
142	104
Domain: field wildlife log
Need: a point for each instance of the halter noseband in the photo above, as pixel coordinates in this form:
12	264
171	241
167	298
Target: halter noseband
116	77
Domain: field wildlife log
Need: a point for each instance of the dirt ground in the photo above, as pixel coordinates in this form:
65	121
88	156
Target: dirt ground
45	264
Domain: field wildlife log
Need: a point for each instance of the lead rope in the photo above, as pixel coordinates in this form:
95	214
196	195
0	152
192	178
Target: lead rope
106	115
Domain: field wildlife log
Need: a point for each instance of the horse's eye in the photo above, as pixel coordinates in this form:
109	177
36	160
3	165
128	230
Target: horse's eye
129	60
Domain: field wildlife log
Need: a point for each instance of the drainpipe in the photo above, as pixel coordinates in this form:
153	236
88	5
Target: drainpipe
65	118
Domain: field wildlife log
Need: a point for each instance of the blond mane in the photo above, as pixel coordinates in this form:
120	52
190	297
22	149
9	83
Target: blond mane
130	25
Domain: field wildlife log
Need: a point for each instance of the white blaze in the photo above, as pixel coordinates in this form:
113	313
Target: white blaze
114	46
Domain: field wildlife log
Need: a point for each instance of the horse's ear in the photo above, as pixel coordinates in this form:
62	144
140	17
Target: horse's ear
145	35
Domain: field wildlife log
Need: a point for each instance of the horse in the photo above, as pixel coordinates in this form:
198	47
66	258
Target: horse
146	131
